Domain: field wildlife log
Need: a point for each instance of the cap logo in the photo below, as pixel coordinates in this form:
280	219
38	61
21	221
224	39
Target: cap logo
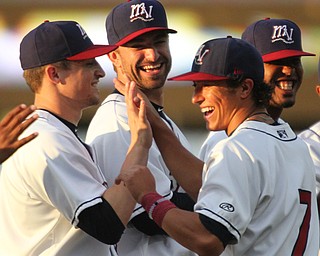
200	55
281	33
83	33
237	71
139	11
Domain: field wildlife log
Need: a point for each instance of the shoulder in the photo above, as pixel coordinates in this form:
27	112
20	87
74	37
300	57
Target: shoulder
313	132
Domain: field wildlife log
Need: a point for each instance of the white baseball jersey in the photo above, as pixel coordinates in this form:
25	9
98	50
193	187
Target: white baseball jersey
44	187
213	138
260	184
109	136
312	137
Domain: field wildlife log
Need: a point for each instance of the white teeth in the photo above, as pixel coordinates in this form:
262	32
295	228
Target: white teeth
285	85
151	67
207	109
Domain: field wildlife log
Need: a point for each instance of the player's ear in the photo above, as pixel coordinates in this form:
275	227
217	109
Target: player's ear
246	87
114	57
318	89
52	73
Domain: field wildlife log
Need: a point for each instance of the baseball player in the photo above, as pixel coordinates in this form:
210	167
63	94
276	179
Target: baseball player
279	43
11	126
256	198
54	200
140	29
312	137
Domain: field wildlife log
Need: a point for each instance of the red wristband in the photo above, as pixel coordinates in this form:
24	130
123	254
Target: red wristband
161	210
156	206
149	199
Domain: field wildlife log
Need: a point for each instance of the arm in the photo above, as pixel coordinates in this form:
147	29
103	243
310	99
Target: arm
137	155
184	226
11	127
106	221
183	165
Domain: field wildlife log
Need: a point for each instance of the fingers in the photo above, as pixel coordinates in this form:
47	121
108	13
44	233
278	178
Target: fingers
11	127
17	115
23	141
14	123
138	180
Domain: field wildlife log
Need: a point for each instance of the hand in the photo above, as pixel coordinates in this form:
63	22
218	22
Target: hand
138	180
11	127
151	112
139	125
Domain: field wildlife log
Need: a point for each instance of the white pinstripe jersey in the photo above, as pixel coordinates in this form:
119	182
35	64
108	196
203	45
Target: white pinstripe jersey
311	136
43	188
109	136
260	184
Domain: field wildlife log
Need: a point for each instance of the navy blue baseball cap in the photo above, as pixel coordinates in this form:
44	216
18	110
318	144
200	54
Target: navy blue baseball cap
134	18
275	39
225	58
51	42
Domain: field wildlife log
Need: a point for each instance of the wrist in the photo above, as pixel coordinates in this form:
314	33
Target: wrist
156	206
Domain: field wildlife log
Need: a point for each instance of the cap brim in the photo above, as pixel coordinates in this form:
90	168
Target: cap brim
284	54
143	31
93	52
197	76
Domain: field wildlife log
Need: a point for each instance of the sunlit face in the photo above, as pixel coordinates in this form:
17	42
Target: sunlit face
218	103
285	76
80	81
146	59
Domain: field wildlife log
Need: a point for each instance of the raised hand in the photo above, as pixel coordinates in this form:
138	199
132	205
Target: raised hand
11	127
134	173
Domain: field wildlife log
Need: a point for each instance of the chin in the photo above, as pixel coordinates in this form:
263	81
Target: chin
288	104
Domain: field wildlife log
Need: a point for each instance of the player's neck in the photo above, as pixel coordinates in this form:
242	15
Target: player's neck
260	116
274	112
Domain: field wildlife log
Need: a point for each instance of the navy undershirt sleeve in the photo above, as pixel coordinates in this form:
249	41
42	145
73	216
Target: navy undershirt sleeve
101	222
218	230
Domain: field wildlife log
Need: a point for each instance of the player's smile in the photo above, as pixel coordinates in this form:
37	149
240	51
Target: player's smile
207	111
285	85
151	68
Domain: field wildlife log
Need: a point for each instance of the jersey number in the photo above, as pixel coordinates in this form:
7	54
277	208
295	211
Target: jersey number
301	243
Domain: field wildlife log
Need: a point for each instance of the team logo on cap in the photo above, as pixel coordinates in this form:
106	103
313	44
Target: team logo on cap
83	33
139	11
198	59
281	33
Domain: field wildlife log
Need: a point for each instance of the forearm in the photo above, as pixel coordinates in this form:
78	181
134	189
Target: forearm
119	196
185	227
183	165
121	201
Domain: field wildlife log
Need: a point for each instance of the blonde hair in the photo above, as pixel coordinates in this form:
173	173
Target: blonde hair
34	76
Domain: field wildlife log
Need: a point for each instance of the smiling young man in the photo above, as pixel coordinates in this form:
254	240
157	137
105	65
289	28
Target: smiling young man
279	42
54	200
140	29
255	198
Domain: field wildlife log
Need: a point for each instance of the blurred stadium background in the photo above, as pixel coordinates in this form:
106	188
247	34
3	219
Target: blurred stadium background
196	22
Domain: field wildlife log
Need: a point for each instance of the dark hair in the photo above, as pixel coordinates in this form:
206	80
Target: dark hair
261	92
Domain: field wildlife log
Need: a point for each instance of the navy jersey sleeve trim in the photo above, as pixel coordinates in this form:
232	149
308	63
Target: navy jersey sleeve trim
218	230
